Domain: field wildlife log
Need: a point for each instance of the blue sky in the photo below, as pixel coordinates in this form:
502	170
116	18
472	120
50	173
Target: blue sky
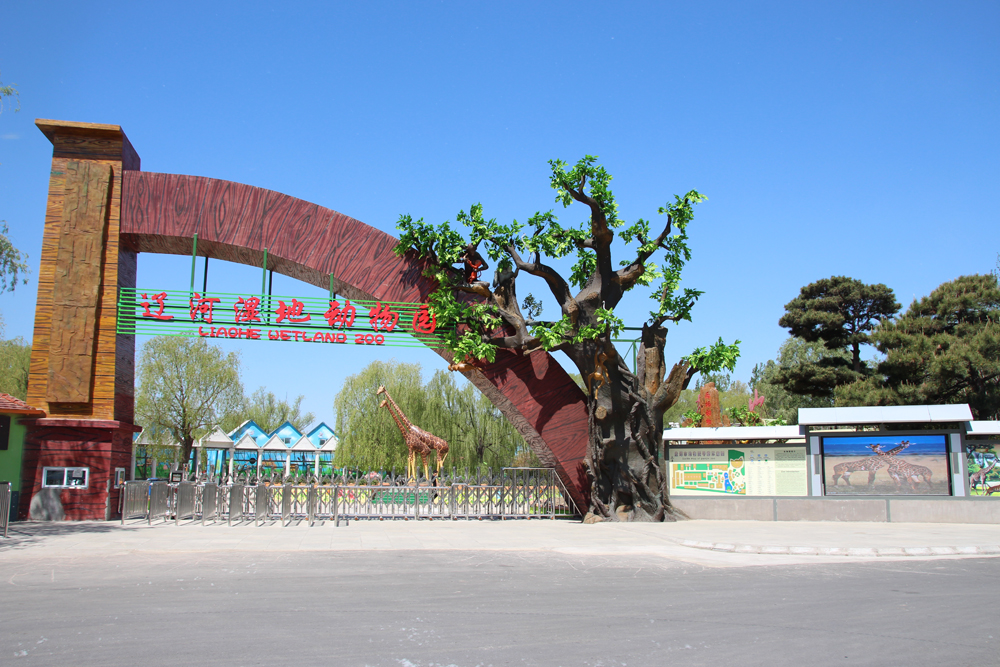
858	446
854	139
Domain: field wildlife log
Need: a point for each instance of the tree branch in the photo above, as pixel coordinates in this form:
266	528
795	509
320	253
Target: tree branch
557	285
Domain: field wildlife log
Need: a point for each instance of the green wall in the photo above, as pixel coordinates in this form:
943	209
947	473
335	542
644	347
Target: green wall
10	458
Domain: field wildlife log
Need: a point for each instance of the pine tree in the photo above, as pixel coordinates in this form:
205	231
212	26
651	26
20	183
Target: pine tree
841	312
944	349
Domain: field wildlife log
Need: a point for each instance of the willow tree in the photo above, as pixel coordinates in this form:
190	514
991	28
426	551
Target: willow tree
625	408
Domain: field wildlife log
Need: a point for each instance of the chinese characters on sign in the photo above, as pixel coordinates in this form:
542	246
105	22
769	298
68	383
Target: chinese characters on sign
203	307
158	315
288	319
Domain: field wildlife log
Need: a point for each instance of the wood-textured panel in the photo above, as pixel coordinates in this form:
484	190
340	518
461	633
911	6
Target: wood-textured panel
235	222
76	289
97	145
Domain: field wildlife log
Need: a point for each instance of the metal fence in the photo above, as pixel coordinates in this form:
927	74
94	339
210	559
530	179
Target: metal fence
4	506
516	493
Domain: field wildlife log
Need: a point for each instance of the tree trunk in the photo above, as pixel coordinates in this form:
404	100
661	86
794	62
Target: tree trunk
623	456
187	443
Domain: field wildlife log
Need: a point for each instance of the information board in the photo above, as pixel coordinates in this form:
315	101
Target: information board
738	471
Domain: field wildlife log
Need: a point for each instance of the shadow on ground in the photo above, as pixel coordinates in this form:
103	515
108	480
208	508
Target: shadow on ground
23	534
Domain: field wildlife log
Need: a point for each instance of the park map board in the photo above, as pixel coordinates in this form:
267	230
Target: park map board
739	471
276	318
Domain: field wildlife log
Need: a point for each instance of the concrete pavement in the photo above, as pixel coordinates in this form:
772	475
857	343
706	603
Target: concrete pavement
471	594
715	543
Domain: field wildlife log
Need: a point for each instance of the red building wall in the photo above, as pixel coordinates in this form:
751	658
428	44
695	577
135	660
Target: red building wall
100	446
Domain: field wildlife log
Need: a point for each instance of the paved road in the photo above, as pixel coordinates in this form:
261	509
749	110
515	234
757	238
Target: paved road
486	607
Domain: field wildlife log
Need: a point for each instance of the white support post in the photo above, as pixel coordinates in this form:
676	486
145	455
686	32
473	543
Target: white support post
958	465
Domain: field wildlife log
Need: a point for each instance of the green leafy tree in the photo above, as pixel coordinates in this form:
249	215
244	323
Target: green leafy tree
369	438
476	432
944	349
7	92
841	312
269	412
185	387
626	408
12	262
768	378
15	358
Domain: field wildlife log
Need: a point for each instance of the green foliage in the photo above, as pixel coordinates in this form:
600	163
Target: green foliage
671	303
186	386
585	172
542	235
15	358
8	92
732	393
842	312
944	349
691	417
769	378
476	432
741	415
369	438
12	262
531	307
716	357
269	412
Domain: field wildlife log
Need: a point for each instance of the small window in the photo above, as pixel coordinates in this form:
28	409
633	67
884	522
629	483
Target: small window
322	441
119	477
287	441
65	478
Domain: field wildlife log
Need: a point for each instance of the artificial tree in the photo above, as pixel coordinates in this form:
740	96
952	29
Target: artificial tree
625	408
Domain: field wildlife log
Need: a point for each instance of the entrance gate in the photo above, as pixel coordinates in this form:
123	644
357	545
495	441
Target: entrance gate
103	211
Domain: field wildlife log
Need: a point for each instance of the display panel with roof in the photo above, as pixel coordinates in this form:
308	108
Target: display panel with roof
886	465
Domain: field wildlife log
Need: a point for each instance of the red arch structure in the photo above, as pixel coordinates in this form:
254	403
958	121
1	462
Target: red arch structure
161	213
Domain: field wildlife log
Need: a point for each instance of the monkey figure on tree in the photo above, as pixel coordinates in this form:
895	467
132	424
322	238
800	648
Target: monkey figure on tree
472	263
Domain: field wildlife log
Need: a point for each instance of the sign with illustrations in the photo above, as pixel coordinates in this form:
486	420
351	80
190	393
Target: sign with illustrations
886	465
983	466
276	318
741	471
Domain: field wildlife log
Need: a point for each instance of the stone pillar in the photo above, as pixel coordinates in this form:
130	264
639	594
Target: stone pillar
82	371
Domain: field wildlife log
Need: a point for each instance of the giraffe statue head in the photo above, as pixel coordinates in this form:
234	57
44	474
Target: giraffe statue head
383	404
381	390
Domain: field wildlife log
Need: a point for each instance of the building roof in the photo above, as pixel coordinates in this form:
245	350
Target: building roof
247	442
886	414
274	442
11	405
290	426
215	439
304	444
733	433
983	428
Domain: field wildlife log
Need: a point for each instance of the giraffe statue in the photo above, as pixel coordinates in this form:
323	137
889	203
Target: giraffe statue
871	465
418	441
978	478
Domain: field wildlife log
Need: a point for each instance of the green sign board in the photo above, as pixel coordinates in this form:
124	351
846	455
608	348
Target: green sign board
277	318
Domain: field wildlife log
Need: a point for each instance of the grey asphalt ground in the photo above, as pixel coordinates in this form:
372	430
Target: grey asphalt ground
518	593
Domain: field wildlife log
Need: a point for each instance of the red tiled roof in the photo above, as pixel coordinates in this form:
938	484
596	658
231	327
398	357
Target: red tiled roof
11	405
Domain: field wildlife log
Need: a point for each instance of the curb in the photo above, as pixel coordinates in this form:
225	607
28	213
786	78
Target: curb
863	552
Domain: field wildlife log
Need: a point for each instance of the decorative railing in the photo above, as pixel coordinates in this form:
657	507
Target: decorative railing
516	493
